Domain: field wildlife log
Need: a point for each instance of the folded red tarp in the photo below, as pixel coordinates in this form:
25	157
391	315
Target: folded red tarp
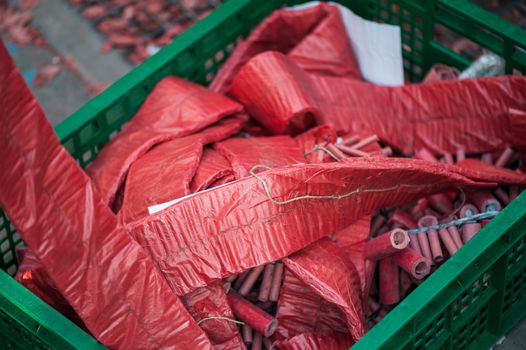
241	225
245	153
165	172
102	272
175	108
443	116
209	307
315	39
329	272
32	275
212	168
301	310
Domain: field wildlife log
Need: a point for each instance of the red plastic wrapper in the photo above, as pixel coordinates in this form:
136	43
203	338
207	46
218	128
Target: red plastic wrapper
165	172
245	153
100	270
209	307
32	275
331	275
174	108
213	167
244	221
317	341
472	113
352	240
301	310
316	40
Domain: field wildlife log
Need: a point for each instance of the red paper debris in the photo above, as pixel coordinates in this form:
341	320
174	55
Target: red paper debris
317	341
46	74
174	108
244	224
472	113
100	270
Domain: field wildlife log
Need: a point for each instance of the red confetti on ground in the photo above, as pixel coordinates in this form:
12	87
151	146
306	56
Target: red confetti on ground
46	74
28	4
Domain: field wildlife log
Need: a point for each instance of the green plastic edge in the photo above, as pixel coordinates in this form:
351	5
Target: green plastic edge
446	276
41	319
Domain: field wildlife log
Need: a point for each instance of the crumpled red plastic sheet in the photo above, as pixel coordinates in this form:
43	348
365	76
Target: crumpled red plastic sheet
209	306
213	167
301	310
316	341
244	226
329	272
174	108
316	40
245	153
443	116
32	275
100	270
165	172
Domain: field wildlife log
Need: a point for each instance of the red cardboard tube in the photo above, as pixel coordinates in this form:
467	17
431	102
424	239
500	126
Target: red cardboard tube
425	154
350	139
336	151
441	202
389	280
405	283
387	151
257	342
446	238
267	342
485	201
504	157
432	235
418	209
486	158
455	235
469	230
502	196
248	283
239	281
249	313
461	155
404	219
352	151
377	223
386	244
365	142
448	158
412	262
276	282
266	283
514	192
247	334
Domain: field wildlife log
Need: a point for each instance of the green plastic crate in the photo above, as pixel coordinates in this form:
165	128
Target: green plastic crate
470	302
